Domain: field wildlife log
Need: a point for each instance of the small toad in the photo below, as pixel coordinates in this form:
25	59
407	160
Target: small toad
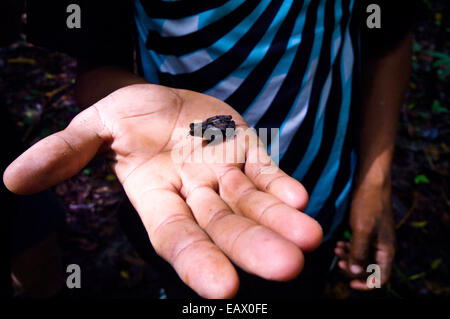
213	126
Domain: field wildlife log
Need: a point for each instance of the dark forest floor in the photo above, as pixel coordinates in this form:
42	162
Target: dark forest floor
37	87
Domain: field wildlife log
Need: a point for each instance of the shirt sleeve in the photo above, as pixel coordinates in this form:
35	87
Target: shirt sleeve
104	36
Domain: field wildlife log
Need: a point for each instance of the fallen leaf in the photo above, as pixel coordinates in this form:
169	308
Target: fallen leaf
419	224
436	263
421	179
124	274
22	60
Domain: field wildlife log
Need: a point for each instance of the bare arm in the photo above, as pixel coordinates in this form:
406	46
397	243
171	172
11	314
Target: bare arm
385	82
371	217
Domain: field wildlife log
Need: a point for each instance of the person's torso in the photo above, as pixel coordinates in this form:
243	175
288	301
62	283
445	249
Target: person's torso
287	64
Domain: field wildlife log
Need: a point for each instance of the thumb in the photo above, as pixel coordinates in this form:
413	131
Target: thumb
359	251
58	156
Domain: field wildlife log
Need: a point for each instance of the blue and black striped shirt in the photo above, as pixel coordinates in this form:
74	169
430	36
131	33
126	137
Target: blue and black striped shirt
290	64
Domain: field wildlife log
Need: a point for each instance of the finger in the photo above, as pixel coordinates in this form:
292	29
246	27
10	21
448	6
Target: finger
58	156
178	239
384	257
343	265
153	190
342	244
359	250
359	285
342	250
341	253
252	247
242	196
263	172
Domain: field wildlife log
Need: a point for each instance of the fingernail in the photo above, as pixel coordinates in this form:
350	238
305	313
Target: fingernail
355	269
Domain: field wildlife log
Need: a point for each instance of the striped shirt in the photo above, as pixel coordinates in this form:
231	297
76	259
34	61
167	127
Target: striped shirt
290	64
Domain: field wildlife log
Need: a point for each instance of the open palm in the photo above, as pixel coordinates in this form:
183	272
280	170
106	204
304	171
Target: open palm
201	216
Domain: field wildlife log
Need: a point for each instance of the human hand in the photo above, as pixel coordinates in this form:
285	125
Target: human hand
373	240
200	216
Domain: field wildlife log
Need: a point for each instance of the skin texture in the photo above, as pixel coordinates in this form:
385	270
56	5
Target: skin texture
200	217
371	216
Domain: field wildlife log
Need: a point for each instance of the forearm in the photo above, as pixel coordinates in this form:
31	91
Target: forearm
95	84
385	82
